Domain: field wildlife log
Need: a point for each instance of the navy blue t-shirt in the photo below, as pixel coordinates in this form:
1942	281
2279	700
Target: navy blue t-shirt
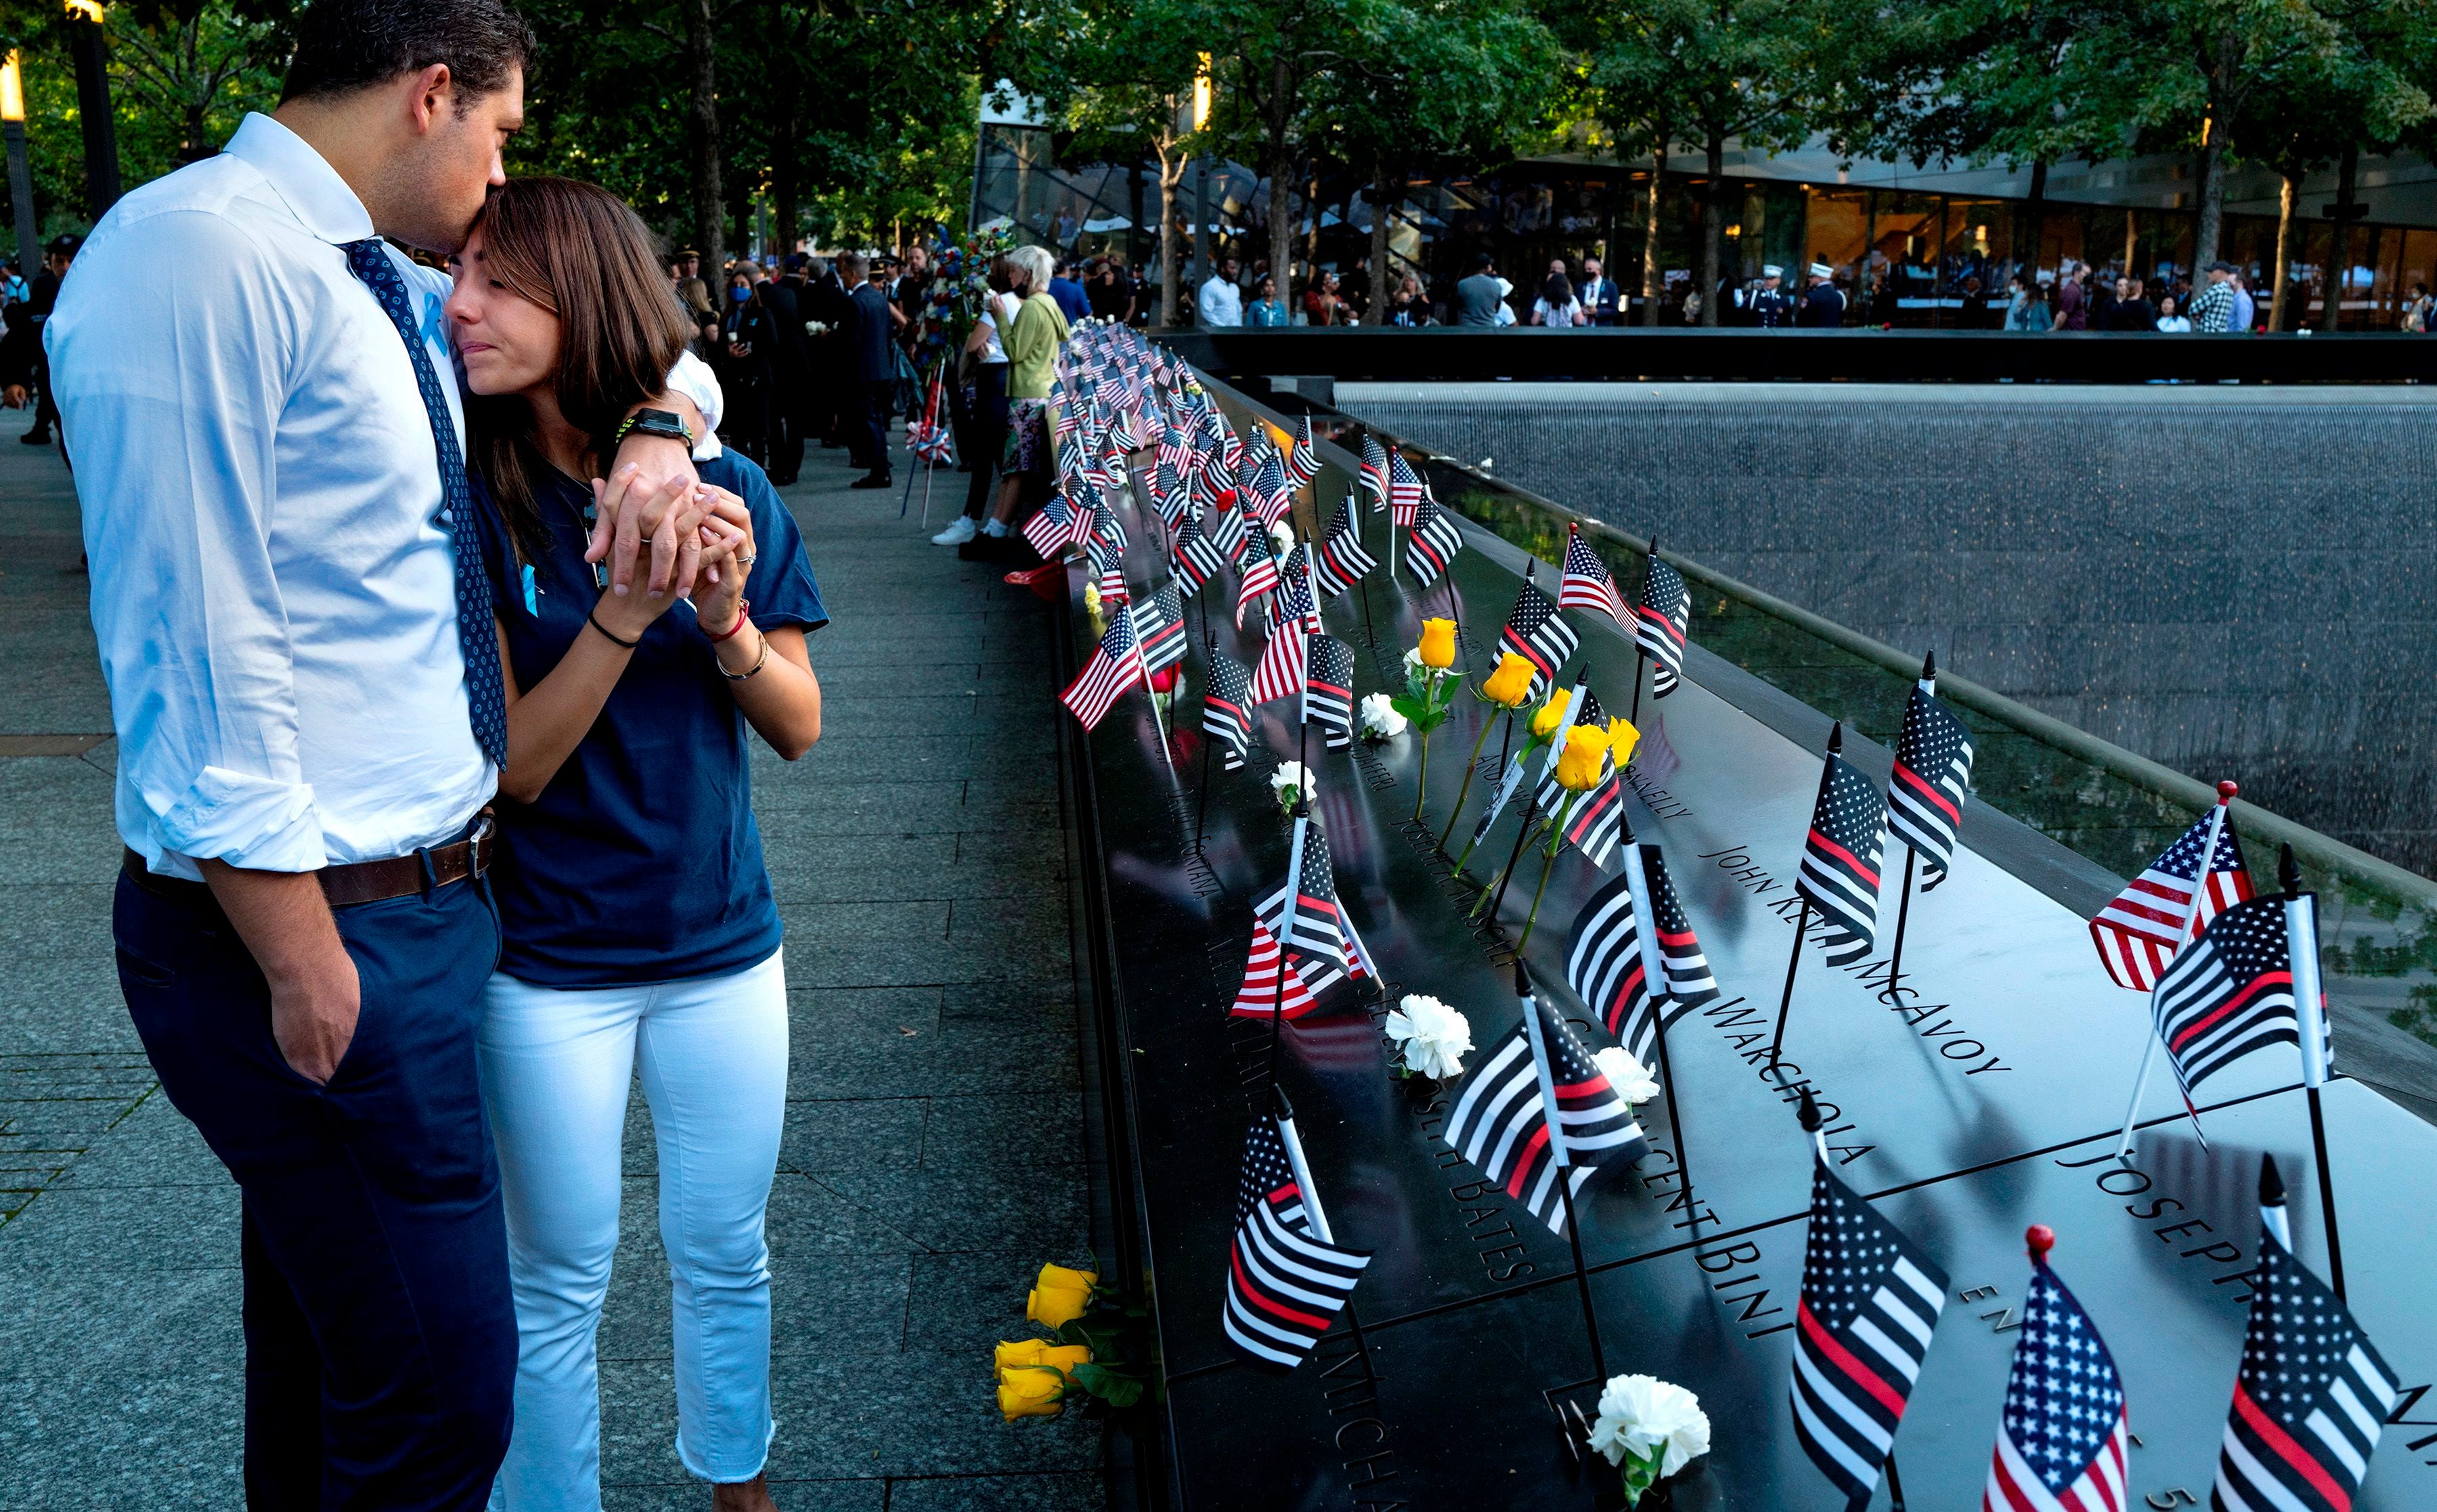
641	862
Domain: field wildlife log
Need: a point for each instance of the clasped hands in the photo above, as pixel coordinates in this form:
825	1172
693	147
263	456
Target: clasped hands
667	538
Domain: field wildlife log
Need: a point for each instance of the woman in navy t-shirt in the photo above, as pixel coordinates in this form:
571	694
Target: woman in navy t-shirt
638	919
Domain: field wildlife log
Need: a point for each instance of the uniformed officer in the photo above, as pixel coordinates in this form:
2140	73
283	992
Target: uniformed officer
1823	306
1771	305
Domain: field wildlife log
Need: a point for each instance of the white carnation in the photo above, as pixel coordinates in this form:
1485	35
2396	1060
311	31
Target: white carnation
1640	1414
1631	1079
1290	782
1281	538
1380	721
1432	1037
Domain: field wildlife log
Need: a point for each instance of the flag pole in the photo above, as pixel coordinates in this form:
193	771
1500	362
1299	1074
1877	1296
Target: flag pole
1641	656
1201	807
1531	805
2225	795
1286	926
1562	1158
2302	948
1362	585
1903	894
1653	977
1801	927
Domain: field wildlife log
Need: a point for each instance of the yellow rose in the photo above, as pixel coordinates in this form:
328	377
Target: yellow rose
1027	1393
1578	768
1059	1297
1511	683
1622	739
1545	717
1438	643
1019	1353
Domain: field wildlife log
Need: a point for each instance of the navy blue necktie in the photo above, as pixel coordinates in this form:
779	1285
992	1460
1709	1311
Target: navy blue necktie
477	632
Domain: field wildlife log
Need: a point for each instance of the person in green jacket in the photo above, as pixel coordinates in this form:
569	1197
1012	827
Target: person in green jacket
1032	341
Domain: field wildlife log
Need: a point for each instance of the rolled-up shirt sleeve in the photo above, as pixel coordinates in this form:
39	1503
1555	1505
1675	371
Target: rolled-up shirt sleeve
171	373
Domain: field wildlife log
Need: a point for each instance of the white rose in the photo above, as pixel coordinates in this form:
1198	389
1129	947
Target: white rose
1631	1079
1281	538
1640	1414
1290	782
1432	1037
1414	667
1380	720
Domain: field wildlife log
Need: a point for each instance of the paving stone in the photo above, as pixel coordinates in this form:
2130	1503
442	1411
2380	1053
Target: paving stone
154	1145
860	1135
954	1210
1008	1131
1072	1491
964	1302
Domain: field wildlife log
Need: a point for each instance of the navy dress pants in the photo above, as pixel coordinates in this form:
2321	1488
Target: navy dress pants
381	1335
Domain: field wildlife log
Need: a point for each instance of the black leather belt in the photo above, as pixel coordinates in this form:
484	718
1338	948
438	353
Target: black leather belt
360	881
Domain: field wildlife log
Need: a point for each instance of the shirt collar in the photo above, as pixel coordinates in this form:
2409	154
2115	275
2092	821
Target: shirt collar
303	179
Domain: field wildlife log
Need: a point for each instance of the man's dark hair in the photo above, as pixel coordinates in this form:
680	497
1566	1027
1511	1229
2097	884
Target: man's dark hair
345	44
1482	262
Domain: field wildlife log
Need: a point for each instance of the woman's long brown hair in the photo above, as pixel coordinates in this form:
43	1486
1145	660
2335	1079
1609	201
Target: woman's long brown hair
577	250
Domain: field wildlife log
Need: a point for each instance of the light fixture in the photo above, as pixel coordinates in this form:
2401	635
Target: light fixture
1202	93
12	89
85	10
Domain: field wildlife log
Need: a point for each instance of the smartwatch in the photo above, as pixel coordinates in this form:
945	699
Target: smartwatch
654	423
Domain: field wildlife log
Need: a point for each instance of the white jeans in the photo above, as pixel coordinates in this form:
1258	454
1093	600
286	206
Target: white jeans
556	1065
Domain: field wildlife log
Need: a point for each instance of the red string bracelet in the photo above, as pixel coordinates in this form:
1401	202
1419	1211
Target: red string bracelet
744	607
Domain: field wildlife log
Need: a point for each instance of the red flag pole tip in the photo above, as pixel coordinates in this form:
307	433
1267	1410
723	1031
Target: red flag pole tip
2042	1239
2226	790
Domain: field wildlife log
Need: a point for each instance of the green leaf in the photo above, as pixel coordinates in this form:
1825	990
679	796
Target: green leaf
1114	1388
1412	708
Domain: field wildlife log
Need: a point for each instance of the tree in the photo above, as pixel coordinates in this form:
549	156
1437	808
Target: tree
1274	56
1433	86
1125	86
1714	69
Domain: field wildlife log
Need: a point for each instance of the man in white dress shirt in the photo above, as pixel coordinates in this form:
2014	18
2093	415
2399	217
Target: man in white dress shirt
1220	301
261	404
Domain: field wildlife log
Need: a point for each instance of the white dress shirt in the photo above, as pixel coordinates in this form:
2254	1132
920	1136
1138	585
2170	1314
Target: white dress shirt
272	583
1220	302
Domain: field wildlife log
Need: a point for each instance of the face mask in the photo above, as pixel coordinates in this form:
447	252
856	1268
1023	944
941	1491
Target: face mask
738	295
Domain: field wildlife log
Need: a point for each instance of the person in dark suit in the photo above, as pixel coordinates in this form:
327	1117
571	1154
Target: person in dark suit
791	370
824	300
1823	307
1598	293
1771	305
871	336
43	294
745	369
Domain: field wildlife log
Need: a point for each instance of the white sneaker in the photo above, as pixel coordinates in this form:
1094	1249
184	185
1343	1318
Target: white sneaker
959	530
996	529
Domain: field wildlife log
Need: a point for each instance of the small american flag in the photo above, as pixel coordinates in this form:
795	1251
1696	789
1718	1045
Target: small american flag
1109	570
1535	631
1659	625
1329	691
1500	1121
1107	528
1215	478
1227	531
1343	561
1227	707
2140	928
1116	665
1229	444
1841	857
2063	1436
2231	992
1303	462
1435	541
1932	772
1870	1299
1372	476
1272	496
1056	527
1159	626
1404	490
1588	584
1169	494
1287	1280
1262	994
1196	556
1258	569
1606	967
2310	1401
1596	821
1689	981
1294	598
1315	934
1175	450
1550	795
1281	669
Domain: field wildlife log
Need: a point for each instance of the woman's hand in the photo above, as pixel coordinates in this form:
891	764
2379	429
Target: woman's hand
628	615
728	552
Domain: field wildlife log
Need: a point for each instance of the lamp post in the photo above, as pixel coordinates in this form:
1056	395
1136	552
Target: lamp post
93	105
21	177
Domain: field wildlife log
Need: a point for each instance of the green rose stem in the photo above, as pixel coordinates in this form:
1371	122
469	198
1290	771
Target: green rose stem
1470	763
1493	893
1547	865
1432	716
